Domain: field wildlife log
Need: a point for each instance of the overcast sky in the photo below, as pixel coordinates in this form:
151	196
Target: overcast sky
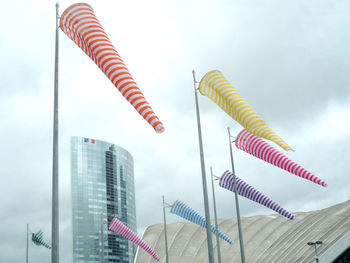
289	59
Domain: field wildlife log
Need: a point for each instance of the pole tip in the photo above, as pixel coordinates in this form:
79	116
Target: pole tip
57	5
194	76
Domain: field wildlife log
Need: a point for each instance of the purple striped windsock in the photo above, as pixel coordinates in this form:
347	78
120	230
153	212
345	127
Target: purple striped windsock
246	190
257	147
123	230
81	25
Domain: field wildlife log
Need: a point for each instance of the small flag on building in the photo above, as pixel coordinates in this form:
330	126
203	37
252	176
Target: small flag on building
89	141
37	239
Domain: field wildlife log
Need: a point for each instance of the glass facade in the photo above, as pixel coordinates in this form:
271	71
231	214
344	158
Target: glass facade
102	184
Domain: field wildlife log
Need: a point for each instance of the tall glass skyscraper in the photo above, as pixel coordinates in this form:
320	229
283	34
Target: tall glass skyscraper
102	176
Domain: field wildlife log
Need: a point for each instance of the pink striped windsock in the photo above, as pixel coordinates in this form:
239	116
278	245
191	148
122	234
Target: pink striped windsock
256	146
80	24
246	190
123	230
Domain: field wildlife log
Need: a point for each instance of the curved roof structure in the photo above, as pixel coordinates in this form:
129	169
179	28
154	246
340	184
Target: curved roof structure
267	239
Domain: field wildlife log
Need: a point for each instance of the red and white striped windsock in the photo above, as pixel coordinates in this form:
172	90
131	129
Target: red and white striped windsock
256	146
80	24
123	230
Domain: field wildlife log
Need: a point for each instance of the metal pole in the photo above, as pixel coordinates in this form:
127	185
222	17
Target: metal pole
317	261
102	240
216	219
27	243
55	210
236	198
204	180
165	234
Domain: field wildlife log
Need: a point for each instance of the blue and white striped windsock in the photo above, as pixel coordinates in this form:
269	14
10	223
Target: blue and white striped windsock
186	212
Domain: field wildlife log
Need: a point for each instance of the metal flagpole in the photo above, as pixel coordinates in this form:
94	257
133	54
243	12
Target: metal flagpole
236	198
55	212
204	180
165	233
216	219
27	243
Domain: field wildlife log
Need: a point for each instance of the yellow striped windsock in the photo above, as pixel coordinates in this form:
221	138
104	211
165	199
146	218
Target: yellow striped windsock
217	88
